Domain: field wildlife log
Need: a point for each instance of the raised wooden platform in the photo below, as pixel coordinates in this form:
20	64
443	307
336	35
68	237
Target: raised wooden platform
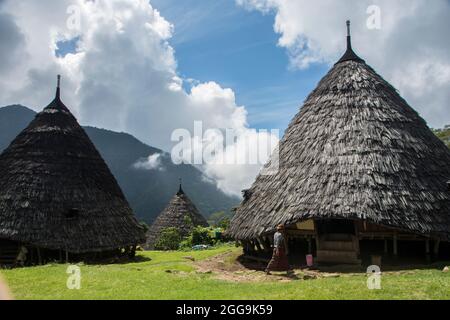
338	248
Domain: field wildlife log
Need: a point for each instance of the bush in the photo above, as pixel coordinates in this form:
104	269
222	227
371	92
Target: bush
204	236
170	239
198	236
224	223
201	235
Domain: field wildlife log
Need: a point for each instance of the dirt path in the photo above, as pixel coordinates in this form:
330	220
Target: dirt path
228	267
231	266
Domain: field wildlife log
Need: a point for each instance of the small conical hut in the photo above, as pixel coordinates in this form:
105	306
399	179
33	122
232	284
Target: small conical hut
356	165
57	196
181	213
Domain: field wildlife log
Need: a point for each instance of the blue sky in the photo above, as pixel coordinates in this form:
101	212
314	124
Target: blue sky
239	50
125	71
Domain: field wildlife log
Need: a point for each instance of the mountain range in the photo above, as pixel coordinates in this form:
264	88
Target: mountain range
146	175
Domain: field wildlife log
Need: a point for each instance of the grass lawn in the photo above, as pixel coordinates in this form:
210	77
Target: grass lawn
150	280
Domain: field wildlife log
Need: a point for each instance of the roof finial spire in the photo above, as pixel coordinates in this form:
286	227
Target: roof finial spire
58	90
349	55
349	35
180	191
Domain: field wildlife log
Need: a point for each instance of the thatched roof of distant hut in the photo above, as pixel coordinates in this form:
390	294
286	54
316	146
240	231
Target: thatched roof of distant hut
56	191
181	213
355	151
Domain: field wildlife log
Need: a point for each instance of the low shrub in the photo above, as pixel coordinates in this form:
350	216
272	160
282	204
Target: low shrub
169	239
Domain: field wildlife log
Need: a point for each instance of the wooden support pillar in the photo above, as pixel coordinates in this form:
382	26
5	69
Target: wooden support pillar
437	242
317	236
265	244
356	239
309	245
67	256
246	246
259	248
32	255
39	256
386	247
395	244
427	250
261	245
252	247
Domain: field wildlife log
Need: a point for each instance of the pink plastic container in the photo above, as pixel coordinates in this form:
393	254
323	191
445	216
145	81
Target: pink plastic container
309	260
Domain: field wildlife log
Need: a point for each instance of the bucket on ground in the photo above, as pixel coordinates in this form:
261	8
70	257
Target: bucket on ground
309	260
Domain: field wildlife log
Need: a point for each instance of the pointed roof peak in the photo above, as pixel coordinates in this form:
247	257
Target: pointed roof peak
180	190
350	55
57	103
58	87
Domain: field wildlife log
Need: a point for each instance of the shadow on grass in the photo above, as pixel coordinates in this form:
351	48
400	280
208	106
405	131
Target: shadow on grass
89	262
388	265
120	261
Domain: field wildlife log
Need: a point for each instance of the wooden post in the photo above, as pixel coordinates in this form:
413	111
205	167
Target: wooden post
262	244
258	247
395	244
316	229
249	247
39	256
60	256
386	247
32	255
309	245
356	239
427	250
254	248
265	244
245	246
437	242
67	256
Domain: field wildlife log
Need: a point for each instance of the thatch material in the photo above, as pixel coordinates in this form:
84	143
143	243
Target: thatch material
355	151
57	193
181	213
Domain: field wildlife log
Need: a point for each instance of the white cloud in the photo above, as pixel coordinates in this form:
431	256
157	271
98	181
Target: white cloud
242	160
411	50
152	162
122	76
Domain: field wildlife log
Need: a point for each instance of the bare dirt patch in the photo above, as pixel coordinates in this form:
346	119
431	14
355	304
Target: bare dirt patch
232	266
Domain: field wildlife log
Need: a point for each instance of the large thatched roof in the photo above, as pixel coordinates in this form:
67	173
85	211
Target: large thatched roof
356	150
56	192
181	213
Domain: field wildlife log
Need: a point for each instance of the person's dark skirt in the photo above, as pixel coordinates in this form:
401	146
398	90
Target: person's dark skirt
279	261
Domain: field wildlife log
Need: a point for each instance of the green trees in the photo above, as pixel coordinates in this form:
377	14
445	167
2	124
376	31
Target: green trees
170	239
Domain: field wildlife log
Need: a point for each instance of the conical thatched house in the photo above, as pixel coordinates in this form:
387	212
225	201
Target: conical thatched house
181	213
357	163
57	195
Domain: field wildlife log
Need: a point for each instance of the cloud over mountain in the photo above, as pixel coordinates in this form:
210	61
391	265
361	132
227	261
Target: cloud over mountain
122	74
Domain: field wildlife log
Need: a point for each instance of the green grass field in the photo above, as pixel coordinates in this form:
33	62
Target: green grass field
151	280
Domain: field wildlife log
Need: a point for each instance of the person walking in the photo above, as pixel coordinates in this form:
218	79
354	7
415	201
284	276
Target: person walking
279	261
